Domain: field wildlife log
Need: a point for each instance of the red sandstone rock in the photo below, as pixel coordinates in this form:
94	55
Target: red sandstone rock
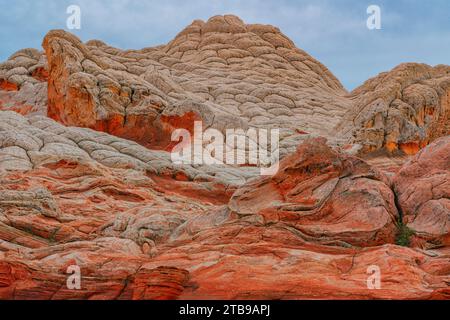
140	227
423	190
324	196
222	71
23	83
8	86
400	111
140	236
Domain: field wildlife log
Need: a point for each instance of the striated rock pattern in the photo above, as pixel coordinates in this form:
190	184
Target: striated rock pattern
220	72
324	196
138	231
224	71
423	189
23	82
87	181
401	110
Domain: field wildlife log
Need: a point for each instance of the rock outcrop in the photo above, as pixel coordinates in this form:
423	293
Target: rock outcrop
87	181
423	189
23	82
401	110
77	197
224	71
325	196
220	72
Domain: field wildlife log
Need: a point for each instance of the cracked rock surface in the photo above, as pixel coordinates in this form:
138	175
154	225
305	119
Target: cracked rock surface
87	180
139	232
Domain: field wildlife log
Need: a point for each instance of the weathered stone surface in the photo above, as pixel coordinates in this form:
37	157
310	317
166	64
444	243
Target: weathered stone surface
27	143
223	72
260	268
324	196
139	226
23	82
423	189
46	279
226	72
140	235
401	110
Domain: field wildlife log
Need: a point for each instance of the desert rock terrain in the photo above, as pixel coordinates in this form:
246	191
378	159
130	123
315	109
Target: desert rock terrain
86	176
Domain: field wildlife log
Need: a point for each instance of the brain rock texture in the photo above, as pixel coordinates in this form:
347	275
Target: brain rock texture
87	180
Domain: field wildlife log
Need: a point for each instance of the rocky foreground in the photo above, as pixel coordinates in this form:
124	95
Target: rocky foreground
86	177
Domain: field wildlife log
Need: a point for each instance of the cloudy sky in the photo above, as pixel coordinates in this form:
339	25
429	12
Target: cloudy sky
333	31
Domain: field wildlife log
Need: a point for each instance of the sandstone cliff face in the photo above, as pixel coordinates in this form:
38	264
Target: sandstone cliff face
401	110
86	178
224	71
220	72
423	188
324	196
72	196
23	83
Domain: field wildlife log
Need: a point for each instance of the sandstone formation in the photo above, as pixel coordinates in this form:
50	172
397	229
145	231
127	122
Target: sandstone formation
321	222
326	197
87	180
23	83
401	110
224	71
220	72
423	189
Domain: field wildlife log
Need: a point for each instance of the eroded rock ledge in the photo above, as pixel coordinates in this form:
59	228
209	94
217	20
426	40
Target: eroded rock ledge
93	185
311	231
